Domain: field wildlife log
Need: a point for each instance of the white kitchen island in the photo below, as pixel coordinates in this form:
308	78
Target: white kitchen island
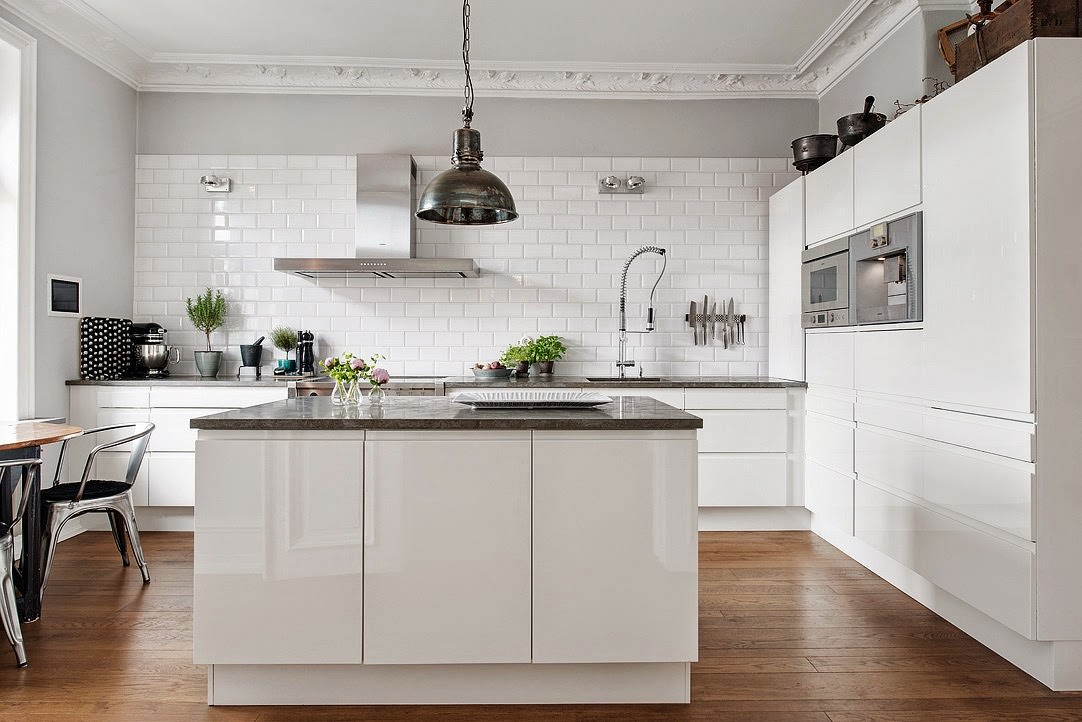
425	553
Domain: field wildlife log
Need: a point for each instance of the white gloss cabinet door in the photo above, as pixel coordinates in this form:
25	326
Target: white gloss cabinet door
447	547
786	336
831	360
828	195
278	556
614	547
888	166
977	240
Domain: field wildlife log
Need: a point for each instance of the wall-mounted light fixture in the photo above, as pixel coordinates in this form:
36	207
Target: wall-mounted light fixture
632	184
213	184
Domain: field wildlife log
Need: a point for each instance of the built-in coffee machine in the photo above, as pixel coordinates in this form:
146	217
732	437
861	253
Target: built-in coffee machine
150	352
885	272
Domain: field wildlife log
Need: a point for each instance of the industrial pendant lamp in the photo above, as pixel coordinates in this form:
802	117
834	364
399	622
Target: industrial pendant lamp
466	194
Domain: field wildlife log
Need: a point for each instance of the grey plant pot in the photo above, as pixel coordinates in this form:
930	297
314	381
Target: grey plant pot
546	367
208	363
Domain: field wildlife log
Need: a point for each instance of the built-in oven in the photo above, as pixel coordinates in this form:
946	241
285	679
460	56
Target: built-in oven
825	284
885	272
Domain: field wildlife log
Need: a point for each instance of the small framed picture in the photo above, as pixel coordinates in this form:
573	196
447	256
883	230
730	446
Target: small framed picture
65	295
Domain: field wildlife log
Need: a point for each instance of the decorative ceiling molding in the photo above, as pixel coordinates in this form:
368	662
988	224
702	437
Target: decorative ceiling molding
861	27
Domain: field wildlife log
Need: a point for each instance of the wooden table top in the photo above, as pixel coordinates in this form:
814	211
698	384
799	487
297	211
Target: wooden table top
22	434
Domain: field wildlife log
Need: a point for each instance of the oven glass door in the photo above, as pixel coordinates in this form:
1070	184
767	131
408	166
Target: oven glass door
826	283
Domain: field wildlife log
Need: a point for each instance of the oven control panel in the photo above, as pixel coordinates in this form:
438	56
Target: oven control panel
825	318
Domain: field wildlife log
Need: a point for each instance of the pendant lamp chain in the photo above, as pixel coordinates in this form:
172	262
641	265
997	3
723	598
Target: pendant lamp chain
467	92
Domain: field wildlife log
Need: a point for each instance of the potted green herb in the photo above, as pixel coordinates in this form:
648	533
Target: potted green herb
285	340
518	356
207	313
545	351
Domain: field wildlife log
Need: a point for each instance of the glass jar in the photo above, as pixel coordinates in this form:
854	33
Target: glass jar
345	393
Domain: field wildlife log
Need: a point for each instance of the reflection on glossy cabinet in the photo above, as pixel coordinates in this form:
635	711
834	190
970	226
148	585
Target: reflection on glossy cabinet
447	547
278	551
614	584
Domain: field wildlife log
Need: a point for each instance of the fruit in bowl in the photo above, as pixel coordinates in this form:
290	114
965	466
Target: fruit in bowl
491	370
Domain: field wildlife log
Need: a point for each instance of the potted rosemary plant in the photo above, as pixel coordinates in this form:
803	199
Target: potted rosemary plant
207	313
285	340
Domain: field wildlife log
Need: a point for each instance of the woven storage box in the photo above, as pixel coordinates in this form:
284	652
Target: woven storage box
1025	20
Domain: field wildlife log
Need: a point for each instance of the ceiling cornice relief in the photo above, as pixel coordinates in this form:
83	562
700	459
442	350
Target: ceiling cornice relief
850	37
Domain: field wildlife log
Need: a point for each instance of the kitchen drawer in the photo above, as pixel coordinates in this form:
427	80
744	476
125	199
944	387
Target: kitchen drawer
172	479
743	480
203	397
735	398
898	416
830	359
836	405
113	465
829	495
989	573
993	490
749	431
829	442
135	397
172	428
889	362
672	397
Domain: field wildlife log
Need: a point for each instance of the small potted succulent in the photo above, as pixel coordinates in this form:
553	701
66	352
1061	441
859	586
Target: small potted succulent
207	313
545	351
285	340
518	357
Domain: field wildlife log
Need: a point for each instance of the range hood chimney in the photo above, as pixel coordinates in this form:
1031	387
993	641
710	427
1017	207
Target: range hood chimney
385	241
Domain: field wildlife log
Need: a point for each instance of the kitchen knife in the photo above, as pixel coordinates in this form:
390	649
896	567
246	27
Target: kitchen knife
731	316
713	321
706	307
694	325
722	320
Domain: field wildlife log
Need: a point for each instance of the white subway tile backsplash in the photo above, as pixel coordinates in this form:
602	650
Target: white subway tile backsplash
555	270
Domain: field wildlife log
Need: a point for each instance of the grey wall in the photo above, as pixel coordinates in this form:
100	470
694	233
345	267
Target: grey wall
86	133
893	71
213	123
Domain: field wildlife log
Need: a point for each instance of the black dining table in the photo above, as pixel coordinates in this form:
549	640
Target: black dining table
23	440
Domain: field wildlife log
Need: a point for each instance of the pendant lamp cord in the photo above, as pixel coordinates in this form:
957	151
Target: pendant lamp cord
467	110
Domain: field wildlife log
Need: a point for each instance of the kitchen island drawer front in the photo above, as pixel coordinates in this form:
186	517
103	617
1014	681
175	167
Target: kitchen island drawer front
829	442
747	431
447	511
744	480
172	431
830	359
672	397
829	495
989	573
205	397
735	398
172	482
136	397
990	489
615	562
113	465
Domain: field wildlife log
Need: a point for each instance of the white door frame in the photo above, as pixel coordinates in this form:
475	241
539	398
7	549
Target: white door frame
27	46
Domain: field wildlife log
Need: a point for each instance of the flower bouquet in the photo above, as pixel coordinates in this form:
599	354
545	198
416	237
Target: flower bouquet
348	371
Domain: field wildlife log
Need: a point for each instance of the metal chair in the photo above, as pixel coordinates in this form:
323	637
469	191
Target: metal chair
64	501
8	610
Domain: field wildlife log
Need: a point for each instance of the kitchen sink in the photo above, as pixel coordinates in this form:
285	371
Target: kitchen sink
618	380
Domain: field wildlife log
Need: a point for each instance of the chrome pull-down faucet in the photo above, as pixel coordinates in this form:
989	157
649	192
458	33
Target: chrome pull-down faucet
622	362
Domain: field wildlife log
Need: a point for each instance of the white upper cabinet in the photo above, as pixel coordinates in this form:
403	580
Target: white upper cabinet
828	194
886	170
977	159
786	336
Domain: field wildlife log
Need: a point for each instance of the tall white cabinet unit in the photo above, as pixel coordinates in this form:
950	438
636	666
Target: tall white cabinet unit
785	336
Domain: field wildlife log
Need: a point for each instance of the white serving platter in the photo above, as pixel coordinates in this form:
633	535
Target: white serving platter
531	399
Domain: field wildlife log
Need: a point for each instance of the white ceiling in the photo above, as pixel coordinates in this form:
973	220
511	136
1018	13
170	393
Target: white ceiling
553	32
543	48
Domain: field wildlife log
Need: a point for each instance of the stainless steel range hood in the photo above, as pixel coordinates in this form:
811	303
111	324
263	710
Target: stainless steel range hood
385	242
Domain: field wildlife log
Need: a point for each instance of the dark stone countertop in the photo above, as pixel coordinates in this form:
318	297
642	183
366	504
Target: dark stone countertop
440	413
177	380
666	382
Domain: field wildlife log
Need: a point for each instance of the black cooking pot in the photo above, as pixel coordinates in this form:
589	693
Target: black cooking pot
856	127
812	151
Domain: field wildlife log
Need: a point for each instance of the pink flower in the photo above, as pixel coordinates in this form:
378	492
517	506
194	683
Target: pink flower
380	376
357	363
329	362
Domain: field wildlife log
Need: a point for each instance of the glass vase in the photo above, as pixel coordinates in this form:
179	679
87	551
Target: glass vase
345	393
377	395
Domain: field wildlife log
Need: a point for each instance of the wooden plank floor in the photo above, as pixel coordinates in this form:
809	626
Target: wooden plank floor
791	629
